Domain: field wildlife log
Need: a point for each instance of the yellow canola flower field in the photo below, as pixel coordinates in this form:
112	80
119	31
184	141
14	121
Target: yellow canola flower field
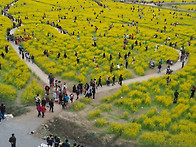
151	117
85	21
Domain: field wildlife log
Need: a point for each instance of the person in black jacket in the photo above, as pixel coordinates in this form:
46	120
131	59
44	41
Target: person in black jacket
120	80
12	140
51	104
2	109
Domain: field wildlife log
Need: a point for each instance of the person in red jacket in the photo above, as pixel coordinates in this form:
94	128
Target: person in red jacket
43	109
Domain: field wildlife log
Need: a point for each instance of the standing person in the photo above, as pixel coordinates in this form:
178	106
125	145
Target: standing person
37	99
38	110
120	80
43	102
51	104
32	58
78	60
47	89
74	89
43	110
182	63
50	140
113	80
159	67
168	80
56	141
12	140
111	67
193	92
77	93
126	64
93	91
2	110
51	79
71	97
176	93
108	80
99	82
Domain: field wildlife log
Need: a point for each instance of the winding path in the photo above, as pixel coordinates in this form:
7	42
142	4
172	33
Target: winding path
22	125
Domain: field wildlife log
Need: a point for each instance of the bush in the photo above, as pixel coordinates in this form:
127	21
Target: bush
100	122
7	92
77	106
30	92
94	114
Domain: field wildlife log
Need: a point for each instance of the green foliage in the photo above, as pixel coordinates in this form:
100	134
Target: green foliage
94	114
30	92
100	122
7	92
77	106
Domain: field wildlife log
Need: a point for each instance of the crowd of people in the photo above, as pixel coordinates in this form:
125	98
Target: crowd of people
57	142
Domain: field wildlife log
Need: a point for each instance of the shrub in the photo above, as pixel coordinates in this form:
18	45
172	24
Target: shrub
100	122
30	92
125	115
7	92
94	114
77	106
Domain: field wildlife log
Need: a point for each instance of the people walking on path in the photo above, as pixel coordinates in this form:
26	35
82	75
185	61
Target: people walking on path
159	67
51	79
113	80
120	80
43	110
12	140
37	99
51	104
38	110
99	82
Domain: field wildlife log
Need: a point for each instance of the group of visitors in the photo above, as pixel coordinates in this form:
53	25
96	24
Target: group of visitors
176	93
57	142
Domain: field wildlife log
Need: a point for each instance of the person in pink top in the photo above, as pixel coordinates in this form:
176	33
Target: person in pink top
39	110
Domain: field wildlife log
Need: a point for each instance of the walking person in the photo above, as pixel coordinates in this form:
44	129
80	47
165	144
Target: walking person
193	92
50	140
51	79
93	92
159	67
56	141
126	64
176	93
168	80
113	80
38	110
182	63
43	110
51	104
2	110
120	80
99	82
12	140
37	99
